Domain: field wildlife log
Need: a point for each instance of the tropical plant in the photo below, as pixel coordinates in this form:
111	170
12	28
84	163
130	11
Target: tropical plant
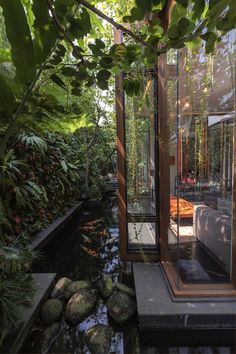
56	57
59	46
16	286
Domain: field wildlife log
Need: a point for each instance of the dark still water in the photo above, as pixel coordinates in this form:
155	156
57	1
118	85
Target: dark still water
84	250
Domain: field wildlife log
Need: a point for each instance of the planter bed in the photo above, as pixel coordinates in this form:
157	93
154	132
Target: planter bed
43	284
42	238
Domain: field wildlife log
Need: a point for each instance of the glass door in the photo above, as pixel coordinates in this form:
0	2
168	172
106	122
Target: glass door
138	170
201	116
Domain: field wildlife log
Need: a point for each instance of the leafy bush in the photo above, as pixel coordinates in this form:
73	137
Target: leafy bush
16	286
42	175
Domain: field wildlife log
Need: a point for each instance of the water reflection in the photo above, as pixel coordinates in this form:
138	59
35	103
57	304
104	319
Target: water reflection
68	258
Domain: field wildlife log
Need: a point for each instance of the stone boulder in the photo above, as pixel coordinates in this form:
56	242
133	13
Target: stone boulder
126	289
75	286
80	305
51	311
121	307
105	286
60	287
98	339
49	335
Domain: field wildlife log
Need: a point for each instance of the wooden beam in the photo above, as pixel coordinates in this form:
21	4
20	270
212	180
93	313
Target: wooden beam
120	145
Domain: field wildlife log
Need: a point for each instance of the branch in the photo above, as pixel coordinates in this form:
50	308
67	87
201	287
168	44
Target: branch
117	25
95	132
60	27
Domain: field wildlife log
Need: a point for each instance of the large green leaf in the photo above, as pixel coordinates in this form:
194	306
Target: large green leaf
184	26
146	5
68	70
229	21
44	30
63	8
106	62
132	87
55	78
210	38
19	36
177	13
216	7
7	99
102	79
80	27
137	14
198	8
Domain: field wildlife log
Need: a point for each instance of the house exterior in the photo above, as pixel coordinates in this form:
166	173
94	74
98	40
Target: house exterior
176	167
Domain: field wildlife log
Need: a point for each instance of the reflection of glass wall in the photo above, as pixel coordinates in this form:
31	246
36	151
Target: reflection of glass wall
140	158
201	113
140	146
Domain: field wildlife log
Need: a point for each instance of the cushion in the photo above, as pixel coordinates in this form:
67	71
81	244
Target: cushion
192	271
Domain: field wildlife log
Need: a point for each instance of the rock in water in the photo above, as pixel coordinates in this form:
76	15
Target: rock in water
48	335
121	307
75	286
126	289
60	287
80	305
105	286
98	339
51	311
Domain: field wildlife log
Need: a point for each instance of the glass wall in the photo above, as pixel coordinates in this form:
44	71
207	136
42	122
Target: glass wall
201	115
140	138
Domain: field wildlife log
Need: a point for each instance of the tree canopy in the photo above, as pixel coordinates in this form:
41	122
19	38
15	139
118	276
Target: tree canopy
69	46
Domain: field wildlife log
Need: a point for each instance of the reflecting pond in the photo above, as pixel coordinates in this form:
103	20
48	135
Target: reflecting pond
86	249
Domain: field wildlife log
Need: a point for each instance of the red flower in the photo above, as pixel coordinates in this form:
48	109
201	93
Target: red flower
17	219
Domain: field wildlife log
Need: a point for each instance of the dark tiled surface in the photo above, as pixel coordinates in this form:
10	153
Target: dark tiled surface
156	308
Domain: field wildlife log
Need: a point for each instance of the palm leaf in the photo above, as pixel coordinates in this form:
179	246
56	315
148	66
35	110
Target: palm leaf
45	32
34	142
19	36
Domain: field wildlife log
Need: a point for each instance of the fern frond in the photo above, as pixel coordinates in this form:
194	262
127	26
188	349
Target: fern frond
34	142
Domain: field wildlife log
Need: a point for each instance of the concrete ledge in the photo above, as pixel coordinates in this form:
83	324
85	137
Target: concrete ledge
157	310
43	283
46	234
188	338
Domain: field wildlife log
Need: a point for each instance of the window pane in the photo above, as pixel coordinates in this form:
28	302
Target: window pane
141	236
202	117
140	152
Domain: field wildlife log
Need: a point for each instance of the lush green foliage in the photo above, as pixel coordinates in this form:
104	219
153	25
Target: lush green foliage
56	57
69	48
42	175
16	288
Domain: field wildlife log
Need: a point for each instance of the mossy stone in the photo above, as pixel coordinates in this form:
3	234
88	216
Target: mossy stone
121	307
105	286
60	287
126	289
98	339
75	286
80	305
51	311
